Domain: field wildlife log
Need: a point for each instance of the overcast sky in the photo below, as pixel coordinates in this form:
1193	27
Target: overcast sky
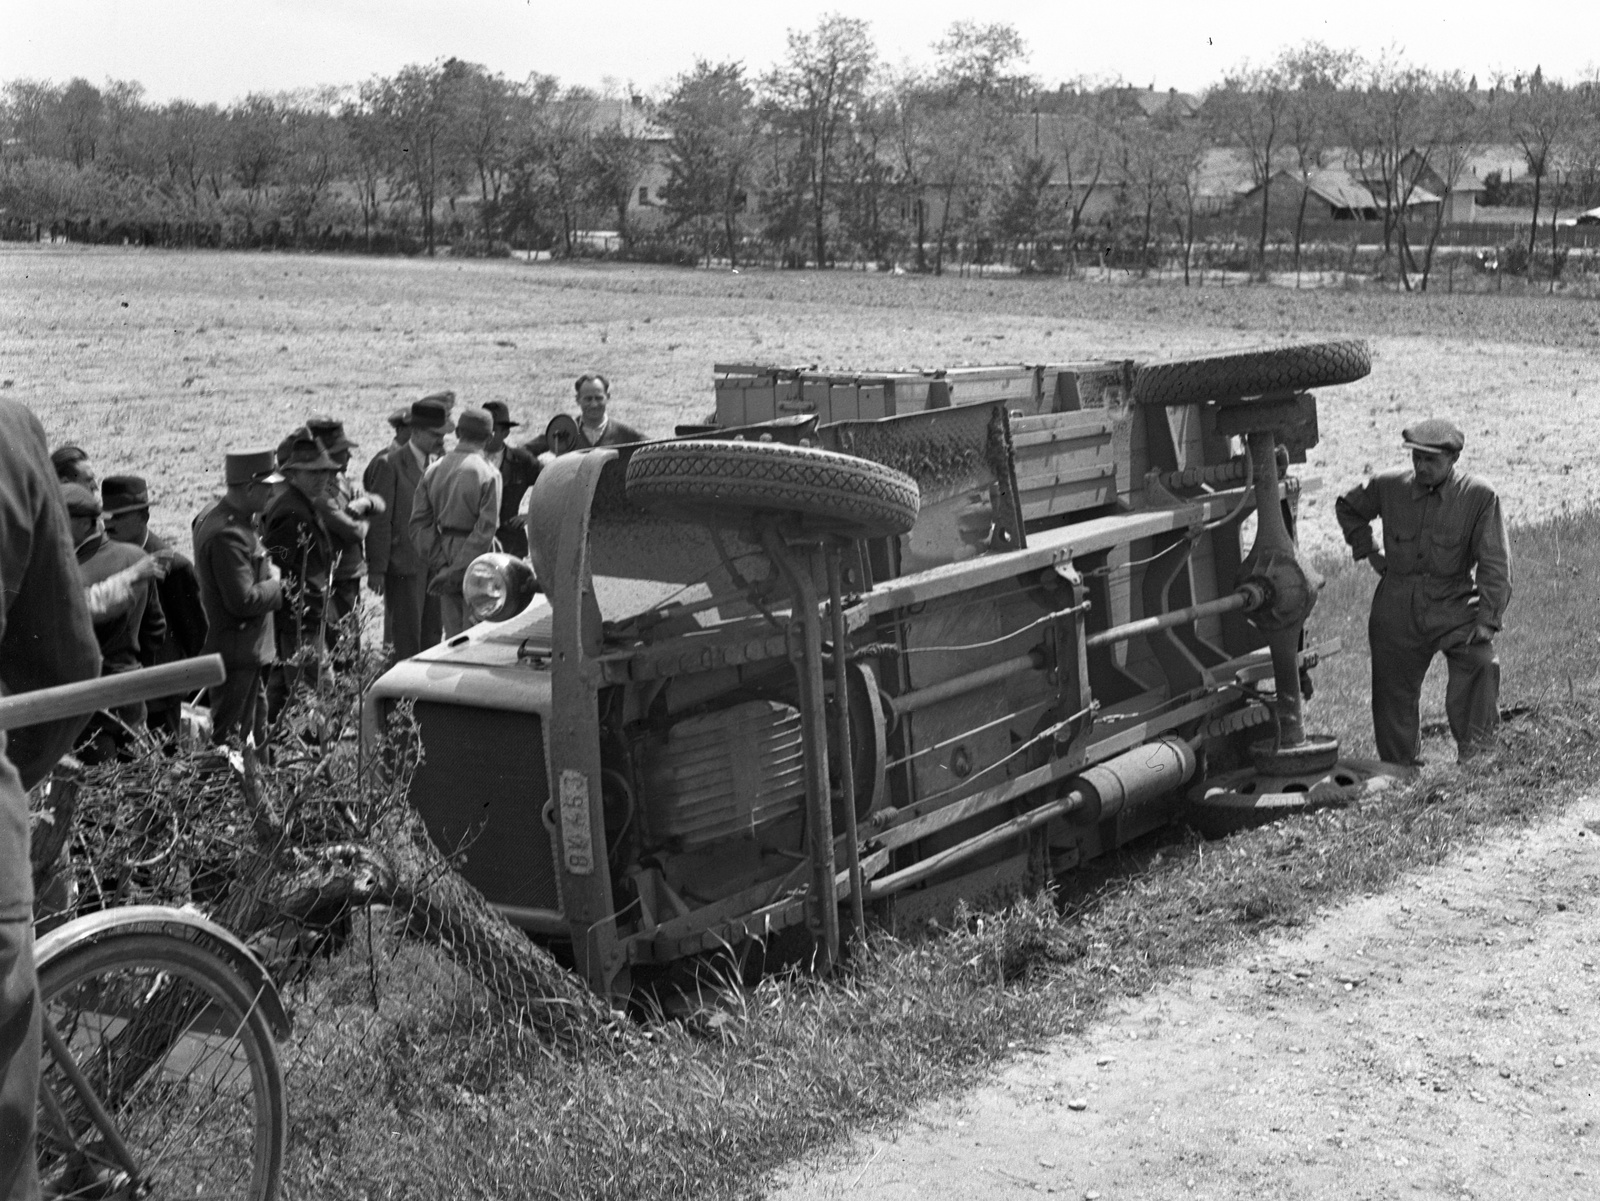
222	49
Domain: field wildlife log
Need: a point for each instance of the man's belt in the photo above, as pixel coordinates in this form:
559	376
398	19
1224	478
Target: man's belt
458	533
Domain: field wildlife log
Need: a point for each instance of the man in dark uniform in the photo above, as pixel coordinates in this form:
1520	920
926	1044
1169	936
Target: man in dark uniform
1444	584
45	639
395	571
296	536
518	468
346	513
240	587
126	503
124	633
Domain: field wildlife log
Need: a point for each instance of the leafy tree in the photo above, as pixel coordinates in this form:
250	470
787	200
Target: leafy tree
78	112
981	60
1026	210
710	117
1544	118
618	156
415	110
812	96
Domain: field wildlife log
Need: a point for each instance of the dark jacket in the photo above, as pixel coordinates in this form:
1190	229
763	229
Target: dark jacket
236	586
124	637
298	541
179	593
519	468
349	532
616	434
394	475
45	634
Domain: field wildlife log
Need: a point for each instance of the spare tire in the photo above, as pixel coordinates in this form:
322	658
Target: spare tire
1238	373
728	482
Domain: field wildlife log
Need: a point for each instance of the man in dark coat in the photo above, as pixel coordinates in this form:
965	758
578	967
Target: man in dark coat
518	468
125	632
1444	584
240	587
45	639
126	503
296	535
395	571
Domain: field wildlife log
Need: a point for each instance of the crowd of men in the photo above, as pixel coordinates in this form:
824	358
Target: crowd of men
274	584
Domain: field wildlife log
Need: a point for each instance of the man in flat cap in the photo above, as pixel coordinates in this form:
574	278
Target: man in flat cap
123	631
455	514
45	639
125	500
240	587
347	511
518	470
295	531
395	571
1444	584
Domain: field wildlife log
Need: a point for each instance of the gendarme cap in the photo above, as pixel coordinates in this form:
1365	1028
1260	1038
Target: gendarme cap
1436	435
80	501
123	494
249	467
475	425
401	417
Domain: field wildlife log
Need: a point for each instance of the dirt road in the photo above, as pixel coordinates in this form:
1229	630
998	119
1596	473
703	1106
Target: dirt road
1440	1040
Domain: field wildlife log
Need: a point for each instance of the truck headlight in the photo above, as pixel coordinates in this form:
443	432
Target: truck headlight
498	586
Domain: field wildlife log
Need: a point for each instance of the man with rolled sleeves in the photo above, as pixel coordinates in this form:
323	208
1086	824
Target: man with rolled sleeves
125	500
240	587
455	514
395	571
124	633
1444	584
46	639
518	470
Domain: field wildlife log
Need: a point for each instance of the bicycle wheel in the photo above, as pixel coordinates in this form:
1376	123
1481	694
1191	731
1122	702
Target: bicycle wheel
171	1044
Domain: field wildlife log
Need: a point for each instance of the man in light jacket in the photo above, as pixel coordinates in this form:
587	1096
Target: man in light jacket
455	514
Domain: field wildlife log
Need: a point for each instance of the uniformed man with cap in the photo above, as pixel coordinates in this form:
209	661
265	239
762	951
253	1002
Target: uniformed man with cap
455	514
240	587
347	510
295	531
45	639
124	632
126	503
1444	584
395	570
518	468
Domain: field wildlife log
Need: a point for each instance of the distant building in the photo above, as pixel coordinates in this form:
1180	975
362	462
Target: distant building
1331	194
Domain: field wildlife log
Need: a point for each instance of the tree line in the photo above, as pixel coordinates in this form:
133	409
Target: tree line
830	155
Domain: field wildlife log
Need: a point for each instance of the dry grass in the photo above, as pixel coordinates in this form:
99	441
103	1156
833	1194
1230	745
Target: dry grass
158	360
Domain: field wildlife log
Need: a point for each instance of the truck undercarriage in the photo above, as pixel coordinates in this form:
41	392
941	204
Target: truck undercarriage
871	643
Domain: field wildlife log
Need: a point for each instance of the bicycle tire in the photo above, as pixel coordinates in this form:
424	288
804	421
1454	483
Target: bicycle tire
182	1058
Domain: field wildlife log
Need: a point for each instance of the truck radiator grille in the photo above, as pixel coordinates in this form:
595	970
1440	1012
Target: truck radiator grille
481	791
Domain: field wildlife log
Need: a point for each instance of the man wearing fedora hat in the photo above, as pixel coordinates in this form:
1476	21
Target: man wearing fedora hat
1444	584
124	632
296	535
518	468
240	588
395	570
126	502
455	514
346	515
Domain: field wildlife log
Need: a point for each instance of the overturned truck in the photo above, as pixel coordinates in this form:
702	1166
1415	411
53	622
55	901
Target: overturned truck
870	643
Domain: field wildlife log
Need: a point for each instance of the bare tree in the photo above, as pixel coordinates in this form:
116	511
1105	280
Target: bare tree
1543	118
1458	130
813	96
1315	74
1249	111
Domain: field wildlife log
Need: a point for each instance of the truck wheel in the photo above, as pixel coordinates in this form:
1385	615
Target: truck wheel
728	481
1251	373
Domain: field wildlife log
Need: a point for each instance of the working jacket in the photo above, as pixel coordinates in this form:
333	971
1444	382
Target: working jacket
298	541
123	635
1449	559
454	516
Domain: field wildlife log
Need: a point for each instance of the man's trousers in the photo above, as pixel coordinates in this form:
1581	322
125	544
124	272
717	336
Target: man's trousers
239	706
1401	653
19	1062
411	618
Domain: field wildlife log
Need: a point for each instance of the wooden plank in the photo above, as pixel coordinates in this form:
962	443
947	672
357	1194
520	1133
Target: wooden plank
1076	425
1065	475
